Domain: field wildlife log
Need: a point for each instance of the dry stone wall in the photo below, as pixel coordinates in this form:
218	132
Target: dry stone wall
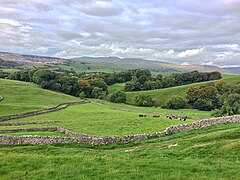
99	140
26	123
42	111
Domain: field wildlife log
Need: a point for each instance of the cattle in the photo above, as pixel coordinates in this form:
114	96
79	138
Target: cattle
142	115
156	116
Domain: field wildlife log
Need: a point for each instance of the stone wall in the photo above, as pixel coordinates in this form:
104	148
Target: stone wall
99	140
27	122
42	111
28	130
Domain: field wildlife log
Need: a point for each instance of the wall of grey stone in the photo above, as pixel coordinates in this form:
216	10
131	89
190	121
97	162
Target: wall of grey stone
42	111
99	140
27	123
28	129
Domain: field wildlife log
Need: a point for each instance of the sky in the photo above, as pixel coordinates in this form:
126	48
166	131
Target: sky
177	31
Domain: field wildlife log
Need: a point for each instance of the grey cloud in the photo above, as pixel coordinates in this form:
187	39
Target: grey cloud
175	31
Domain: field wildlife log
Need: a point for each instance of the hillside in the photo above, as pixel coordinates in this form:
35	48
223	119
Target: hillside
21	97
28	58
209	153
157	66
162	95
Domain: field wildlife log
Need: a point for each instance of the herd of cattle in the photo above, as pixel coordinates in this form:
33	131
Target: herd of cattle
172	116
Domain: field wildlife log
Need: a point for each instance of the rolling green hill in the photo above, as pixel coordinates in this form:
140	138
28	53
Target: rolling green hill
162	95
209	153
22	97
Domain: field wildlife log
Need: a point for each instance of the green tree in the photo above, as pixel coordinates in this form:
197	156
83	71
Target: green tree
143	100
118	97
176	102
97	92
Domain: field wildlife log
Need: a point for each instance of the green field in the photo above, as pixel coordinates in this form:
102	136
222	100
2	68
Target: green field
182	112
209	153
22	97
79	68
97	120
162	95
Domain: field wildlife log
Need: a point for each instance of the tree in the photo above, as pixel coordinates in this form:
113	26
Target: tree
232	104
143	100
176	102
82	95
97	92
204	97
118	97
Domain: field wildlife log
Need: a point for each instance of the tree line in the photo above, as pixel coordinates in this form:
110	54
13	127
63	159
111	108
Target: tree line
219	96
143	80
90	86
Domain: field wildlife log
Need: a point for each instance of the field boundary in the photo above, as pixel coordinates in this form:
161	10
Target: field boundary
41	111
104	140
27	123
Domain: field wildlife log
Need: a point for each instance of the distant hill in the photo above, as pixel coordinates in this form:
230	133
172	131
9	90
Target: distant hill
127	63
29	58
235	70
113	63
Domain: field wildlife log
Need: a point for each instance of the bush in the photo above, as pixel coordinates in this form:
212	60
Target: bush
144	100
118	97
176	102
82	95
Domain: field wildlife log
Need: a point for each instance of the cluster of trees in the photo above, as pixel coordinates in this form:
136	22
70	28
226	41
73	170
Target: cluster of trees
145	81
91	86
219	96
139	100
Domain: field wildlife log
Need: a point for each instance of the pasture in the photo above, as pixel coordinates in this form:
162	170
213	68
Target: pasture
97	120
209	153
22	97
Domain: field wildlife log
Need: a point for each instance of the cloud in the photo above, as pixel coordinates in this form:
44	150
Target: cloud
190	52
40	50
195	32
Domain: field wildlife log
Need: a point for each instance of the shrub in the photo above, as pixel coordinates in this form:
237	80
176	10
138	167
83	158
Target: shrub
176	102
118	97
143	100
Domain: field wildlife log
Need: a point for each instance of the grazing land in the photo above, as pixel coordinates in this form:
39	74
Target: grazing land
22	97
209	153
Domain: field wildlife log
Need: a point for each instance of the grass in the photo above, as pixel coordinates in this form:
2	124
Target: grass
22	97
79	68
162	95
182	112
38	133
209	153
97	120
116	87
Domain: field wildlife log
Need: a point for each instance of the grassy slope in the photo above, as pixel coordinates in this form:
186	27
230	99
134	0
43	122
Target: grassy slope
22	97
183	112
209	153
98	120
162	95
77	67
